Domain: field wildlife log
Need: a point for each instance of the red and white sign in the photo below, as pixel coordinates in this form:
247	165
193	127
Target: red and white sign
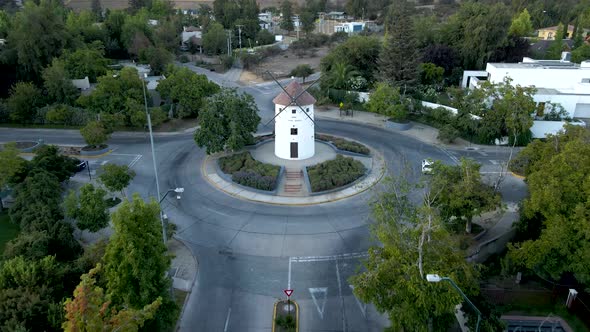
288	292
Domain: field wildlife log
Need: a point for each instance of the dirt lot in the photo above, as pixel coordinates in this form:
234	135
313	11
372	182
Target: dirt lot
281	64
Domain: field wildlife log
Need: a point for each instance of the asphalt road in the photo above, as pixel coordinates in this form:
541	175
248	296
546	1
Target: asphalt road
249	252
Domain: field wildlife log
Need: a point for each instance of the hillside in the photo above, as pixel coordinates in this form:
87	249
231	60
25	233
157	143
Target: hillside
184	4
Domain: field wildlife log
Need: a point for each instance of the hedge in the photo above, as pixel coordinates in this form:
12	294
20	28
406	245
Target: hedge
345	145
334	173
249	172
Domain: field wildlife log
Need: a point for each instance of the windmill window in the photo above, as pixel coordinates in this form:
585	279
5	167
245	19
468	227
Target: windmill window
307	110
293	111
293	131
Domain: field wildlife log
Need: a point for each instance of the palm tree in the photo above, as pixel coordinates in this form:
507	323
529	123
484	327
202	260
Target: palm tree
339	76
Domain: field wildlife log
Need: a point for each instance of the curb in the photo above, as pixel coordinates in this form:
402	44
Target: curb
182	310
274	315
517	176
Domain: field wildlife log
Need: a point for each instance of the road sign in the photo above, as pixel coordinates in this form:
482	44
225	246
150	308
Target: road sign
288	292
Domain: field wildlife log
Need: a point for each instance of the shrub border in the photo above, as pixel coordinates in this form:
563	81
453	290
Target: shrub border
37	145
311	193
94	152
228	177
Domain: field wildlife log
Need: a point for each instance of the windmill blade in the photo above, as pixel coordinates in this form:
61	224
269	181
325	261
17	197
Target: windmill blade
274	117
293	100
304	112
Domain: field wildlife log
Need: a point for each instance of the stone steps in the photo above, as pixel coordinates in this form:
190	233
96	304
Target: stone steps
294	185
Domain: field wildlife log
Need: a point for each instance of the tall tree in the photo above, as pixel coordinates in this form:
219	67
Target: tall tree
37	35
91	311
23	102
414	243
116	177
96	8
459	193
187	89
558	178
58	84
89	208
521	25
287	12
89	61
215	39
307	19
361	52
137	263
228	121
356	8
398	64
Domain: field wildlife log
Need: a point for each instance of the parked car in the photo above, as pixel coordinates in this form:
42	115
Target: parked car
80	165
427	166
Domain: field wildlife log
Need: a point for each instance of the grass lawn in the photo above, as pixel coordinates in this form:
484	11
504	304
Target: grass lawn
532	309
8	230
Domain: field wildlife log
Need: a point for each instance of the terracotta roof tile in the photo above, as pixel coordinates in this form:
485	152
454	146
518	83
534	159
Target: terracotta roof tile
294	89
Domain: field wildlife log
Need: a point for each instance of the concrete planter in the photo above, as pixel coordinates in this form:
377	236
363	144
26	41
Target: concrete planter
333	190
37	144
94	152
227	177
397	125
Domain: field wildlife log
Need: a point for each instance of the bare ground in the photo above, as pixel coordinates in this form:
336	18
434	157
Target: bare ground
281	64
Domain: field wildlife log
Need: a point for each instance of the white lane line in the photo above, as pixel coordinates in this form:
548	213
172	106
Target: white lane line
322	305
227	320
221	213
104	162
341	298
289	277
134	161
303	259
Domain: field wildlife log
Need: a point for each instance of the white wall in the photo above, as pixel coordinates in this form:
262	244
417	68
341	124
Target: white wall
305	132
568	101
552	78
541	129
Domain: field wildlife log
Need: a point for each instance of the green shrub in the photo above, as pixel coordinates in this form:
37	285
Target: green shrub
334	173
183	59
345	145
448	134
247	171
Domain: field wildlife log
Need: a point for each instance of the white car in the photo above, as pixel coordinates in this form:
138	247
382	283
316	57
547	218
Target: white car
427	166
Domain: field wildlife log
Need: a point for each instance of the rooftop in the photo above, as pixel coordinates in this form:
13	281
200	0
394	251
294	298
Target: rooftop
294	89
528	63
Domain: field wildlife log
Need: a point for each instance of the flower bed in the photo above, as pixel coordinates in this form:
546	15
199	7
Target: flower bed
344	145
248	172
334	173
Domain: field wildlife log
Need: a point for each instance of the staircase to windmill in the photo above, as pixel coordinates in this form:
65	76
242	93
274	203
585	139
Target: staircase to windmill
294	184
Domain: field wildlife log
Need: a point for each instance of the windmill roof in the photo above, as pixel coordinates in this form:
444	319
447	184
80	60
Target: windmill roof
294	89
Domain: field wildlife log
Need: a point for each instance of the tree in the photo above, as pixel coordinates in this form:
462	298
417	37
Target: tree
89	209
94	133
581	53
11	164
37	35
442	56
431	74
23	102
91	311
302	71
96	8
339	76
227	121
557	174
187	89
356	8
58	85
383	98
521	25
157	57
414	243
398	64
460	194
360	52
307	19
116	178
136	261
287	13
215	39
86	62
47	158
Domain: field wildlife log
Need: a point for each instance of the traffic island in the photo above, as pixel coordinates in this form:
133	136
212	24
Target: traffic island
285	317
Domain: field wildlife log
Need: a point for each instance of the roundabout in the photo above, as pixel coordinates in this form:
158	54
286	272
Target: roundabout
293	185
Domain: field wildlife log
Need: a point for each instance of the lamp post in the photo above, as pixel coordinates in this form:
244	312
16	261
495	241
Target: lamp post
437	278
149	121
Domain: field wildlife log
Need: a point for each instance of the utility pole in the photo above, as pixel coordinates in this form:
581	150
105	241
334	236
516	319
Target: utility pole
239	26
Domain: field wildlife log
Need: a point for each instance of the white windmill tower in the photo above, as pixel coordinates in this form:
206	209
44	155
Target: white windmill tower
294	124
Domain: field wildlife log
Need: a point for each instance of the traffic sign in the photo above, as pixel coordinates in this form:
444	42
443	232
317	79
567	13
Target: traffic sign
288	292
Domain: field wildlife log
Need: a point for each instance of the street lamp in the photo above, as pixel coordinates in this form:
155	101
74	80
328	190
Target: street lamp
175	190
149	121
437	278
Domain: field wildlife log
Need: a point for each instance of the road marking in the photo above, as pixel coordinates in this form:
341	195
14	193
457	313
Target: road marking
341	298
482	153
289	277
303	259
104	162
324	291
134	161
221	213
362	306
495	162
227	319
453	158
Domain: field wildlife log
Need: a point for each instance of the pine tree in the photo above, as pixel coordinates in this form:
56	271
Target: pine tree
287	11
398	59
97	9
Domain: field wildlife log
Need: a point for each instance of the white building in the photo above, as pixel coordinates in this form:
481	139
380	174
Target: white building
557	81
265	20
350	27
294	127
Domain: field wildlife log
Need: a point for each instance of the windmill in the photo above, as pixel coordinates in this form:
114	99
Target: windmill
294	123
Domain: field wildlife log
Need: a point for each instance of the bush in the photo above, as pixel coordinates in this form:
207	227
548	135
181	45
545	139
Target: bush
247	171
94	133
448	134
398	113
334	173
264	37
345	145
183	59
227	61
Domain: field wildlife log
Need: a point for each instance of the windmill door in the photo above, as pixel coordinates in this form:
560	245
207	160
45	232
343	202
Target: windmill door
294	150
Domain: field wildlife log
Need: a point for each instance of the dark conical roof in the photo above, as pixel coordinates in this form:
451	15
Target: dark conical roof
294	89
